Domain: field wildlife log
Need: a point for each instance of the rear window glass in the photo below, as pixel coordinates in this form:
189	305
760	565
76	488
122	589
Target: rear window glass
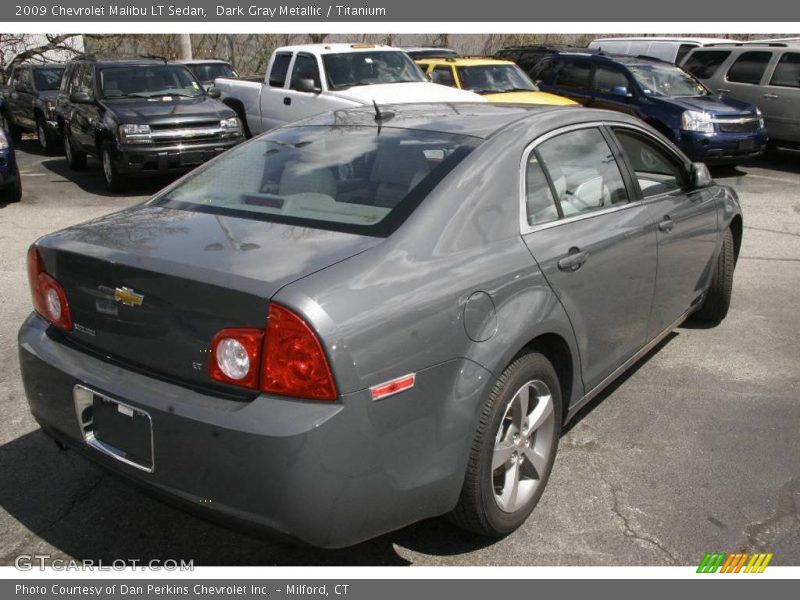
47	79
749	67
787	71
574	75
704	63
353	179
208	72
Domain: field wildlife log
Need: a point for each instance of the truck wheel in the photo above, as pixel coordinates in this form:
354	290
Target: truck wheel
76	160
514	449
46	141
12	192
718	298
115	182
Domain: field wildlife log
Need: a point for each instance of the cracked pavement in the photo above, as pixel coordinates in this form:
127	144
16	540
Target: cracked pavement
694	450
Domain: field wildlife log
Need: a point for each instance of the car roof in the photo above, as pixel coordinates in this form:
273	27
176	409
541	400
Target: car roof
202	61
625	59
102	62
680	40
54	65
476	119
338	48
469	61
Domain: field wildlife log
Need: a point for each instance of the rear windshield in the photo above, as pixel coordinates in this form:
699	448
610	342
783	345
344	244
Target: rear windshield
47	79
354	179
207	72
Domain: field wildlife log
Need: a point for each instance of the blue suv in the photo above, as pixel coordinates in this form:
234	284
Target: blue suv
706	127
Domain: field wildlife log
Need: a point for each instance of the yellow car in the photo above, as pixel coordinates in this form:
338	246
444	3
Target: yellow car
496	80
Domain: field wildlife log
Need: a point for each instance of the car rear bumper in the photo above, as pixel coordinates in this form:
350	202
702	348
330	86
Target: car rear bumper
723	147
328	474
140	159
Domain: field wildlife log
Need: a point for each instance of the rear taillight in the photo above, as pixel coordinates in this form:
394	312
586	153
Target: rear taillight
235	356
287	359
49	297
294	362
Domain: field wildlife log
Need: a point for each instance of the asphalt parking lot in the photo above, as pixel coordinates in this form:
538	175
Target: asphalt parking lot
697	449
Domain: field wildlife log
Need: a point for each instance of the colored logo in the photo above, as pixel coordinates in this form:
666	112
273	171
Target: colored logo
738	562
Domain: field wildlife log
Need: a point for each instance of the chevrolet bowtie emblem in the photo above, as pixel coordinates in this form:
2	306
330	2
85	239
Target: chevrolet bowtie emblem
128	297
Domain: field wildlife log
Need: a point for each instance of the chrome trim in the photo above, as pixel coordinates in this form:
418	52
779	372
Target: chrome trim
526	228
735	120
83	397
595	391
189	132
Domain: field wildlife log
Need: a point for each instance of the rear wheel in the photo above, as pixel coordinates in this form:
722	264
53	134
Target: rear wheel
718	298
75	158
514	449
14	133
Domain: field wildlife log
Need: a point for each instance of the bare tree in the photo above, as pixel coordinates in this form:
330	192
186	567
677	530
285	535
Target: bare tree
317	38
16	49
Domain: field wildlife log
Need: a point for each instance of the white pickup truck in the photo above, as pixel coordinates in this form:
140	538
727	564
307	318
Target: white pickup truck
305	80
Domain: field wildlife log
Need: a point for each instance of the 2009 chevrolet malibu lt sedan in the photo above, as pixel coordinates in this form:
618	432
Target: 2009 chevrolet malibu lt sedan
376	315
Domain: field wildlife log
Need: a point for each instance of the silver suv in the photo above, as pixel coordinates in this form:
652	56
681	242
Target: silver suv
766	74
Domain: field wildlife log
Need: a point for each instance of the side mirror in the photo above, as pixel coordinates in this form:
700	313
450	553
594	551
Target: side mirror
307	85
80	98
621	90
214	92
701	177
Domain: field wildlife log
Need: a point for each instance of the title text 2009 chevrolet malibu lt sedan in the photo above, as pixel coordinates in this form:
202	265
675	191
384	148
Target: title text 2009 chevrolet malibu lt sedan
373	317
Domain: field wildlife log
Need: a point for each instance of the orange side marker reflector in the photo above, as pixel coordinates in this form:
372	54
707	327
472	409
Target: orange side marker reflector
395	386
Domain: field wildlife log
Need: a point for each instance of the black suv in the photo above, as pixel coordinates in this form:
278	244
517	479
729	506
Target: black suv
140	116
27	103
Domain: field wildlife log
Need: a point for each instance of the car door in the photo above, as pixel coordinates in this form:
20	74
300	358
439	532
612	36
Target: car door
612	90
85	116
596	248
743	78
686	224
570	77
780	98
276	108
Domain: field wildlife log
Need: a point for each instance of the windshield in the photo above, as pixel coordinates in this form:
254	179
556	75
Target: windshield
47	79
485	79
148	81
666	80
367	68
354	179
208	72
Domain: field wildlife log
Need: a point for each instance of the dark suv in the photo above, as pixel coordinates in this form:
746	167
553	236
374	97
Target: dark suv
140	116
705	126
27	103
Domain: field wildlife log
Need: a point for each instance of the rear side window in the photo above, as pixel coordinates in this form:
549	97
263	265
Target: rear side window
749	67
355	179
787	71
280	67
656	170
574	74
539	201
704	63
583	171
443	75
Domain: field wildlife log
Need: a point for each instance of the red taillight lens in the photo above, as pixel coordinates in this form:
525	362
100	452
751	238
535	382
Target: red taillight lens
49	297
235	356
294	362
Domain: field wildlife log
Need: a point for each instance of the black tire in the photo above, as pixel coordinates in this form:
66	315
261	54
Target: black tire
47	142
115	181
12	192
14	133
76	160
718	298
477	509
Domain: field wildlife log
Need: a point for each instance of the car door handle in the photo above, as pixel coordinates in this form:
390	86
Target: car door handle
574	260
723	91
287	101
666	225
771	96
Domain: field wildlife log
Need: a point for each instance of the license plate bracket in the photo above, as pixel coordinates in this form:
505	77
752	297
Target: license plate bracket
747	144
115	428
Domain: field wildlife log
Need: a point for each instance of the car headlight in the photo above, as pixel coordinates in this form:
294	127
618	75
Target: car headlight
695	120
4	145
231	126
760	118
134	134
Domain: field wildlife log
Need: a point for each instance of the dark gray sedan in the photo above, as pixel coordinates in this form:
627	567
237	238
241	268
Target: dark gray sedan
374	316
